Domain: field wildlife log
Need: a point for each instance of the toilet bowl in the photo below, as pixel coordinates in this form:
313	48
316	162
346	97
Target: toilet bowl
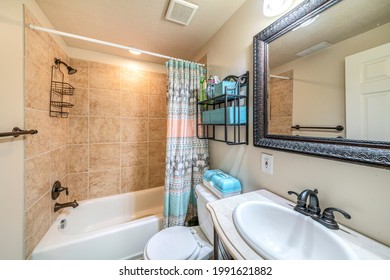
185	243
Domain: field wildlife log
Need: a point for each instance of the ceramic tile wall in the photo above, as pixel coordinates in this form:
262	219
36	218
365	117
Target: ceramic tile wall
117	130
281	104
45	152
113	141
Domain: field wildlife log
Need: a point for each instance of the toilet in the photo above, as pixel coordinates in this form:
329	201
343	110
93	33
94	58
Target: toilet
185	243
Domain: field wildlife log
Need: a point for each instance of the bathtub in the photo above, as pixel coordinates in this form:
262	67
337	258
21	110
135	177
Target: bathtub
109	228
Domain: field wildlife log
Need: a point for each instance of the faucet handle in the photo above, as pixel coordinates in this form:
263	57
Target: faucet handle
292	192
301	205
328	219
57	189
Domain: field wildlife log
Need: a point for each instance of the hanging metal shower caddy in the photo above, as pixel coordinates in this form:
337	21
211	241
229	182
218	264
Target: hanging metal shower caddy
59	93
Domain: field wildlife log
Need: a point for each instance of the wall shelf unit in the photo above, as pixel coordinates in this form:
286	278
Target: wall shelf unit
224	116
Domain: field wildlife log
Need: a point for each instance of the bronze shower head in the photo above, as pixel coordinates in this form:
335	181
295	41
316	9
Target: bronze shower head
71	70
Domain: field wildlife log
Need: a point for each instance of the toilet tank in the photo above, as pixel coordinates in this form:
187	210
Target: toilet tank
205	196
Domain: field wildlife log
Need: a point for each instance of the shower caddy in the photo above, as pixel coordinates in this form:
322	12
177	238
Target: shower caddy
228	108
59	94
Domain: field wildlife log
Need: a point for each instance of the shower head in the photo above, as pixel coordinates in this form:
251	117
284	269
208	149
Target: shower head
71	70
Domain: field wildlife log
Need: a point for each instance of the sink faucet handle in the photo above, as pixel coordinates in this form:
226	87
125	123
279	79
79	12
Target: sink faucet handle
292	192
301	204
328	212
328	219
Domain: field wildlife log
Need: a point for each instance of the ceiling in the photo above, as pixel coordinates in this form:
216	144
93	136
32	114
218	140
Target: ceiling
340	22
138	23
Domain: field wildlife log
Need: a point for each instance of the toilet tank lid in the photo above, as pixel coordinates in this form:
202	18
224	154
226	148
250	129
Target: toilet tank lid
203	191
174	243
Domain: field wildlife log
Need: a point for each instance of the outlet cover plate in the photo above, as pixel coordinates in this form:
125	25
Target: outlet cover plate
267	163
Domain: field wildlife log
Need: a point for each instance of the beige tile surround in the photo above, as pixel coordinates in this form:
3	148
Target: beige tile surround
113	141
120	126
281	104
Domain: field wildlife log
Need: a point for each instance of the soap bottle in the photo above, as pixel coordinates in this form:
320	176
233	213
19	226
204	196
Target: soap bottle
210	87
202	92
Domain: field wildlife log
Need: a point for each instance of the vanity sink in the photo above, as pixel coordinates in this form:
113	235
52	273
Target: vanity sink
277	232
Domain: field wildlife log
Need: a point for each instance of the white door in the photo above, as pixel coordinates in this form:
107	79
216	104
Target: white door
367	82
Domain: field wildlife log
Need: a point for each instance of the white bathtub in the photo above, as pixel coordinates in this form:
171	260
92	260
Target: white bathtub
114	227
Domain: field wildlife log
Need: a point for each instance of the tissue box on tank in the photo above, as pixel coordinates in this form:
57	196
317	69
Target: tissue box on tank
221	184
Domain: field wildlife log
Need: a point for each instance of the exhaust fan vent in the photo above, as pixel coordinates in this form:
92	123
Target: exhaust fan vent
181	12
313	49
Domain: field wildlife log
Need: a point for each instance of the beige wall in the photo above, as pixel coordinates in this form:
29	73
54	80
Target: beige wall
15	58
11	115
360	190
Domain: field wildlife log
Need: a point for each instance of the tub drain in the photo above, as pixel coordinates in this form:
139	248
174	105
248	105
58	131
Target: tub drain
63	224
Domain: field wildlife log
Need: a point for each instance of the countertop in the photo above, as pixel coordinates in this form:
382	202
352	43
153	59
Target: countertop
222	216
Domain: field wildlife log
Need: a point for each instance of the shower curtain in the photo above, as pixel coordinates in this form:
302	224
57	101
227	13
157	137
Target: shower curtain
187	156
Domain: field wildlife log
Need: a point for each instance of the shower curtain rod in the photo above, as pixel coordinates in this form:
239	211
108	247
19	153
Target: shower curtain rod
280	77
48	30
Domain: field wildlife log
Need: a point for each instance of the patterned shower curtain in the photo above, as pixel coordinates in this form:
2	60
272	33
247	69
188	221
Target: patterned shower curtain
187	156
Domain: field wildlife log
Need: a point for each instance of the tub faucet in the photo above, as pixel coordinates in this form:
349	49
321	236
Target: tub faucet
59	206
313	209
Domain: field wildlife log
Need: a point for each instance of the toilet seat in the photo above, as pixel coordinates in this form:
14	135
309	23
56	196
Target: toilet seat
174	243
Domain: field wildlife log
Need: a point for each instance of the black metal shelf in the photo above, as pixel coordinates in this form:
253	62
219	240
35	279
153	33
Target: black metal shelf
221	99
234	130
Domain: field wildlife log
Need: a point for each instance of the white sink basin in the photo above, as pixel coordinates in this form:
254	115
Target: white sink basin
277	232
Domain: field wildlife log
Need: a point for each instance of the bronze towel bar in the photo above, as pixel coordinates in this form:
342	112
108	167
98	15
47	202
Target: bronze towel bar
17	131
338	128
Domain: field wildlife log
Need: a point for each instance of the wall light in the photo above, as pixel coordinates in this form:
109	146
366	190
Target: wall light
273	8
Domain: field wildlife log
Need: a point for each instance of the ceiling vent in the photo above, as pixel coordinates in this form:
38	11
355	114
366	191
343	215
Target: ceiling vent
181	12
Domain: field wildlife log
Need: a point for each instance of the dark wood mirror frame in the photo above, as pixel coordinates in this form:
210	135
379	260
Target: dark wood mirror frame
373	153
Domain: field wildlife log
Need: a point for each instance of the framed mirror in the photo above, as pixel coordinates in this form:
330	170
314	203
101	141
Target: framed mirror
322	81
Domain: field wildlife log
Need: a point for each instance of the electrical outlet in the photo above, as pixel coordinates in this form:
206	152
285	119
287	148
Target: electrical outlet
267	163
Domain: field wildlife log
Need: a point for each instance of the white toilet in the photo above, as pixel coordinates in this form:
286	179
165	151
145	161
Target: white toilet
185	243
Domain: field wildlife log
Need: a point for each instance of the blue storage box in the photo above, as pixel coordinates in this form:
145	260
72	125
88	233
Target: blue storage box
217	116
225	87
206	117
221	184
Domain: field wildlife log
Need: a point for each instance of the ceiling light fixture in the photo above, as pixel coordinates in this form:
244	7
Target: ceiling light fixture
306	23
273	8
136	52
